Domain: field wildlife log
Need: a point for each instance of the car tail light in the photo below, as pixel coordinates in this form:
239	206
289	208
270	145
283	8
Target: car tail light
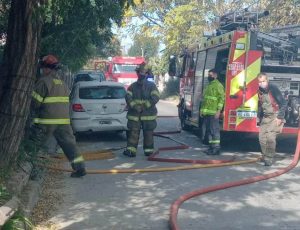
78	108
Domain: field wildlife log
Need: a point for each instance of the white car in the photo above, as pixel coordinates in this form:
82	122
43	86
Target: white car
98	106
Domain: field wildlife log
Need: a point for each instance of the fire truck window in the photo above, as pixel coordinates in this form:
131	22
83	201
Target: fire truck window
210	63
193	61
221	64
187	66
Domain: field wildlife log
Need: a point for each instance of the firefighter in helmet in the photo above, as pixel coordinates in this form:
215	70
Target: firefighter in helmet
210	111
50	106
141	99
271	111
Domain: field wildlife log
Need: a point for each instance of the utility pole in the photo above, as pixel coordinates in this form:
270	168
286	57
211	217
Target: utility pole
142	52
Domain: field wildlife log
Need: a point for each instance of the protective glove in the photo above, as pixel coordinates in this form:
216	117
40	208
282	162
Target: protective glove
139	108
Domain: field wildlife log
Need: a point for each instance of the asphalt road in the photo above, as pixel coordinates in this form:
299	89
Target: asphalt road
142	200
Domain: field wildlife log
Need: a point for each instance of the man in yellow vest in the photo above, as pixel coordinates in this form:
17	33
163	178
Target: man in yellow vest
50	105
210	111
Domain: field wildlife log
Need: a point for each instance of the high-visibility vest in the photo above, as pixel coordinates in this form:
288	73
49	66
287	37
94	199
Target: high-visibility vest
213	98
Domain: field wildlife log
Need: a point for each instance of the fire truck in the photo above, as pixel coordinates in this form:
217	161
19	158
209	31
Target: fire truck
239	51
121	69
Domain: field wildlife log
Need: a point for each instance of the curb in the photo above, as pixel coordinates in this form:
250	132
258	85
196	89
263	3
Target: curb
8	210
25	193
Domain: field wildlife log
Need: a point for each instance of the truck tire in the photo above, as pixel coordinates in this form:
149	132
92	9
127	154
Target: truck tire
183	124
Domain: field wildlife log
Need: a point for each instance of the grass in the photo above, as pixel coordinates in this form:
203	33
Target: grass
18	222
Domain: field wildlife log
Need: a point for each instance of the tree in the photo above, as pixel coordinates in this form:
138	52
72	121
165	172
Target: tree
144	45
17	74
23	39
181	23
282	12
76	30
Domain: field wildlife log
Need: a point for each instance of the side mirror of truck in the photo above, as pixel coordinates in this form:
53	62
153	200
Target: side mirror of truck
172	66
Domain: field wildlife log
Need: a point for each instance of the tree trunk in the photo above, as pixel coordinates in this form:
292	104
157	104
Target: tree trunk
18	73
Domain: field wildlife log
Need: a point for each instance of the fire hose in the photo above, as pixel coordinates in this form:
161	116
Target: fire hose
177	203
195	164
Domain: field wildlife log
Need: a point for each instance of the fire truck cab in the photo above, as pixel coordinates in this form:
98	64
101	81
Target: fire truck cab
122	69
239	52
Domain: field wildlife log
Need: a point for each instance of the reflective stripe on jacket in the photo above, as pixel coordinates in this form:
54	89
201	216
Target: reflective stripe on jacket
51	101
142	94
213	98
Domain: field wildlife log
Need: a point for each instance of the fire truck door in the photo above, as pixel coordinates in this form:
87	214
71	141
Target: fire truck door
198	82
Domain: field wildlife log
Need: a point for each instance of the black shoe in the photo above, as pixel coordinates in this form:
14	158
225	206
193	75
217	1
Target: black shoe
147	154
216	152
129	153
208	151
78	173
213	152
268	162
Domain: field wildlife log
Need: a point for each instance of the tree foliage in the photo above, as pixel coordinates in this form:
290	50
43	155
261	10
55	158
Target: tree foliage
143	44
76	30
181	23
83	26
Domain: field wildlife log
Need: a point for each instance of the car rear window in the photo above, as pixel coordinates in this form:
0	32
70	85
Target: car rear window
102	92
88	77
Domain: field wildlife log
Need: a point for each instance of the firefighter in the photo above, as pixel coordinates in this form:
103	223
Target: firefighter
210	111
141	99
50	105
271	113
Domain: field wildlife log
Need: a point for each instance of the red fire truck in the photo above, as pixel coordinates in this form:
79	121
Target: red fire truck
121	69
239	51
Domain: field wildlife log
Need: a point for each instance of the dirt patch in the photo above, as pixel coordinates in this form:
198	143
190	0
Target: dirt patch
51	196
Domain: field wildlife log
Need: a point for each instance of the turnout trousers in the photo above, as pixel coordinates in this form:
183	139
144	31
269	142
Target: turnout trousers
65	138
268	132
211	128
133	133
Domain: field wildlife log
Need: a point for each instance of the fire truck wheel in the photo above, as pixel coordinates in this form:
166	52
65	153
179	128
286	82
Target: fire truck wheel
183	125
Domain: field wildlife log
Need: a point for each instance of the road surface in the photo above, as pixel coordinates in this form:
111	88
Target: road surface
142	200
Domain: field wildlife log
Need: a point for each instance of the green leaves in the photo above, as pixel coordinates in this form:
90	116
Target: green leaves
76	30
144	45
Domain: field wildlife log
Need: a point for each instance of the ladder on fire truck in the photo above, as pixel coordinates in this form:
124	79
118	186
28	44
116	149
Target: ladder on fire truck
282	49
277	47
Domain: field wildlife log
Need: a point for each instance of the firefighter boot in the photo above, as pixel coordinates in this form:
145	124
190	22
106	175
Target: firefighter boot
268	162
213	151
129	153
148	153
208	151
216	151
79	173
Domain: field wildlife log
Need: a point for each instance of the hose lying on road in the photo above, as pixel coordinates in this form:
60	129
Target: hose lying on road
161	169
176	205
154	156
196	164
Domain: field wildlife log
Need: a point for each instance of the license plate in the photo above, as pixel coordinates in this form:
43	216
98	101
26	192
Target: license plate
104	122
246	114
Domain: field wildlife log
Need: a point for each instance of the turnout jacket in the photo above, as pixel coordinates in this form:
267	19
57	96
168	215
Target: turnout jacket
213	98
271	102
141	98
50	102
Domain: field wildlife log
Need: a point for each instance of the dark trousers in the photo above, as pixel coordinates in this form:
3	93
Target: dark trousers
133	134
65	139
211	128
